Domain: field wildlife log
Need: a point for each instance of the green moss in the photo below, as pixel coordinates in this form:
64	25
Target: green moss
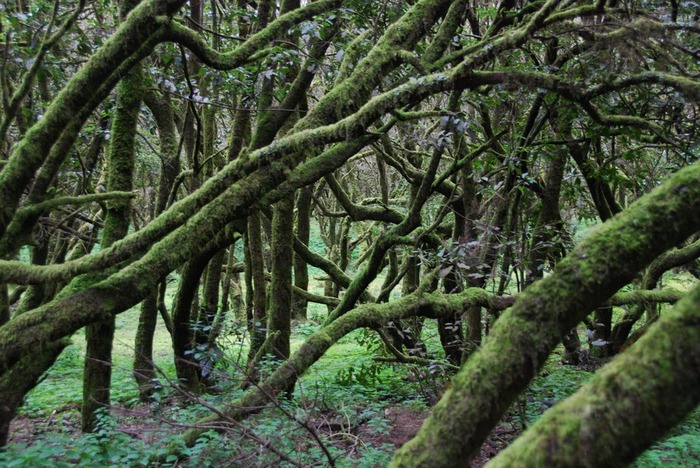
626	405
525	335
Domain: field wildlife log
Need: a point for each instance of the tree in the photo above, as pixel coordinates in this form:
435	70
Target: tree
488	130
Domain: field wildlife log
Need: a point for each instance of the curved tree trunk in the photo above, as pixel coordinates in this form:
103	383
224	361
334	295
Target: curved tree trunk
144	371
15	383
524	336
186	365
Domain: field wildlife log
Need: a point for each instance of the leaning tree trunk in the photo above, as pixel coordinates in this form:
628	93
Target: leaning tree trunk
626	406
20	379
186	366
523	337
144	370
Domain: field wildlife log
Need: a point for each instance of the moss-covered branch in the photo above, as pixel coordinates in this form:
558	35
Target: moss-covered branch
433	305
627	405
671	259
360	212
643	296
337	275
48	205
524	336
311	297
250	49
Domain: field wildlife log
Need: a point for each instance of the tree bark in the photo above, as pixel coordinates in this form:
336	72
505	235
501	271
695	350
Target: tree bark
524	336
626	406
19	380
258	324
97	374
303	234
279	321
186	365
144	370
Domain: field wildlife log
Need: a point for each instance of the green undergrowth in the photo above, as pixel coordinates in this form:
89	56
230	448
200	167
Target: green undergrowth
680	448
341	404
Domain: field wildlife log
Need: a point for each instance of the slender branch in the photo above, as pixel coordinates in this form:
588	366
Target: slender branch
28	78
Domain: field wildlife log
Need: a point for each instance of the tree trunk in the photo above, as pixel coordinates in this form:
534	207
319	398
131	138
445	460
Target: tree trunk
303	233
120	166
4	305
144	370
626	406
186	365
258	324
20	379
525	335
372	315
279	318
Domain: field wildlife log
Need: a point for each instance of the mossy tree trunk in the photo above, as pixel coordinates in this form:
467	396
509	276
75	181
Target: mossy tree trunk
87	89
97	372
24	376
279	320
626	406
4	304
524	336
391	83
258	185
257	326
186	365
144	371
303	233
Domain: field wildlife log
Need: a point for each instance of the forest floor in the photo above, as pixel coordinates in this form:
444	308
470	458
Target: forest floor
361	411
348	407
139	423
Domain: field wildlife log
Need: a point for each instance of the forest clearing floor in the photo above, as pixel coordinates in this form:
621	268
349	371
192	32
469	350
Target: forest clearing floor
355	436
